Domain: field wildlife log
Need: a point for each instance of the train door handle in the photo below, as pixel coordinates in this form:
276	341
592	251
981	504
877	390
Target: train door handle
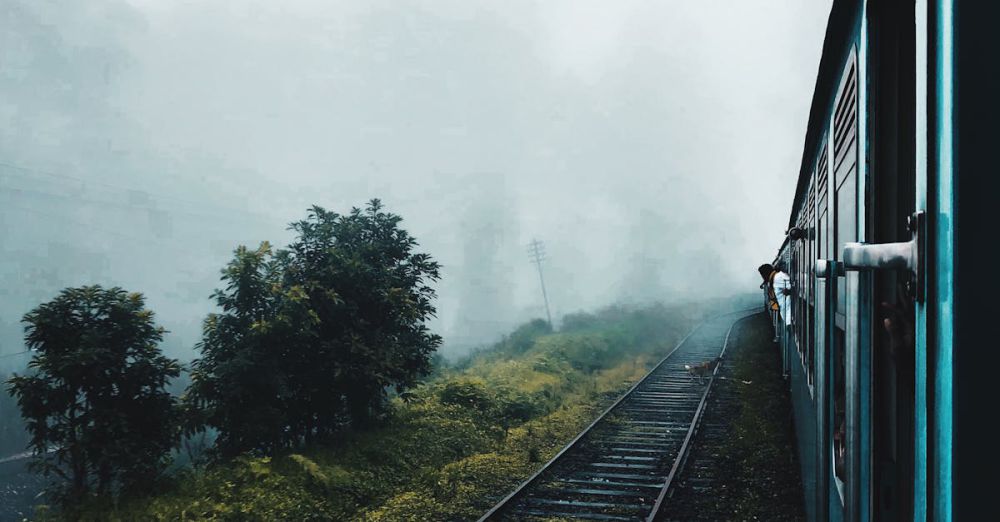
908	255
825	269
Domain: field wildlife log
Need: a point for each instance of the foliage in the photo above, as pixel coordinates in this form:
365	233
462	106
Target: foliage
453	449
578	321
506	404
311	338
471	393
13	435
95	401
523	338
237	385
367	293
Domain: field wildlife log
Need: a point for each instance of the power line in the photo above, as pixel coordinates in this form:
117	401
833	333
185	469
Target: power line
536	250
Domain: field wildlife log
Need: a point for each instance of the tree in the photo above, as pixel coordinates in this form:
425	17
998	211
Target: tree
95	401
368	297
239	385
524	337
312	337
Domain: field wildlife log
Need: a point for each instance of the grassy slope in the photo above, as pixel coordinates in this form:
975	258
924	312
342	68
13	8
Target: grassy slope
437	457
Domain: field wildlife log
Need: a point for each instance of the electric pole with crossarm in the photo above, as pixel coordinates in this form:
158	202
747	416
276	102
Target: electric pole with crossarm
536	250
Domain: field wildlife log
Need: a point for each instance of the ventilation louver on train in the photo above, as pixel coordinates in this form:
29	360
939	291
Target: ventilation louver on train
845	127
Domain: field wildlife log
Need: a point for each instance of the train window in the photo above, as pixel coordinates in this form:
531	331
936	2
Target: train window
822	233
823	242
811	243
797	312
807	353
808	302
846	197
797	280
845	177
803	292
821	192
839	445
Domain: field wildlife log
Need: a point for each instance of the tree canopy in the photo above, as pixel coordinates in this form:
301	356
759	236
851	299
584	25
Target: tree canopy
95	400
313	337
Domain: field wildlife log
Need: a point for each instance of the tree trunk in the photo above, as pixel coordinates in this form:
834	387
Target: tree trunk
358	408
104	479
77	460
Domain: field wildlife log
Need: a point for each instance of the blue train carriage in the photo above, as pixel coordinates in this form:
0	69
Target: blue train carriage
884	210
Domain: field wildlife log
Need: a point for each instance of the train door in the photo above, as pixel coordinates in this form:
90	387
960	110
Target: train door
889	382
843	383
879	392
887	358
836	385
825	276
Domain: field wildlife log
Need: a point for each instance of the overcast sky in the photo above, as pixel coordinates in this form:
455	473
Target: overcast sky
653	146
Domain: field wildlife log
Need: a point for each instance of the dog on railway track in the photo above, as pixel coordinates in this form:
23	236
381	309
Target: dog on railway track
703	369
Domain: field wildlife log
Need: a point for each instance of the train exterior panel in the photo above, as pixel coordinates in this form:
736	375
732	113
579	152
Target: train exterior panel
870	356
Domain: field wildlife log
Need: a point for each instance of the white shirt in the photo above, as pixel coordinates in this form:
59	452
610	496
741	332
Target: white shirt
782	282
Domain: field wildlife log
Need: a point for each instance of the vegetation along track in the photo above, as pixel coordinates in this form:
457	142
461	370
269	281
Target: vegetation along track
621	467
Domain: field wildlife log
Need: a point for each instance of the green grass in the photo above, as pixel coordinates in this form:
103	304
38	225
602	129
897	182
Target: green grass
764	481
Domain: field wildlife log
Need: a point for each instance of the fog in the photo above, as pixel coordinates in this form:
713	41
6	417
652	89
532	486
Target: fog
653	146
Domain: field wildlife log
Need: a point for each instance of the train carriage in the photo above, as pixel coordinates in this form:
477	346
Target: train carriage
882	215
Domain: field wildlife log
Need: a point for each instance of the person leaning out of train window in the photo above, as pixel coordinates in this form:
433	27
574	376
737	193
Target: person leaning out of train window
779	290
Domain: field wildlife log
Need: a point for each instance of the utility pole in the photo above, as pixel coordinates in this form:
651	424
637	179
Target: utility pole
536	250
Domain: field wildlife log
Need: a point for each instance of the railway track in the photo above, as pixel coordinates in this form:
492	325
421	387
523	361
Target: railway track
694	494
622	466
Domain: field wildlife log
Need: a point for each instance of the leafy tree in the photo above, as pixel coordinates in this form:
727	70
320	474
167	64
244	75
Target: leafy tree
579	321
95	403
311	338
239	383
523	338
364	297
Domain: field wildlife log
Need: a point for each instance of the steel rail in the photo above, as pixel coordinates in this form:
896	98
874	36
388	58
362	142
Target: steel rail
573	444
686	445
